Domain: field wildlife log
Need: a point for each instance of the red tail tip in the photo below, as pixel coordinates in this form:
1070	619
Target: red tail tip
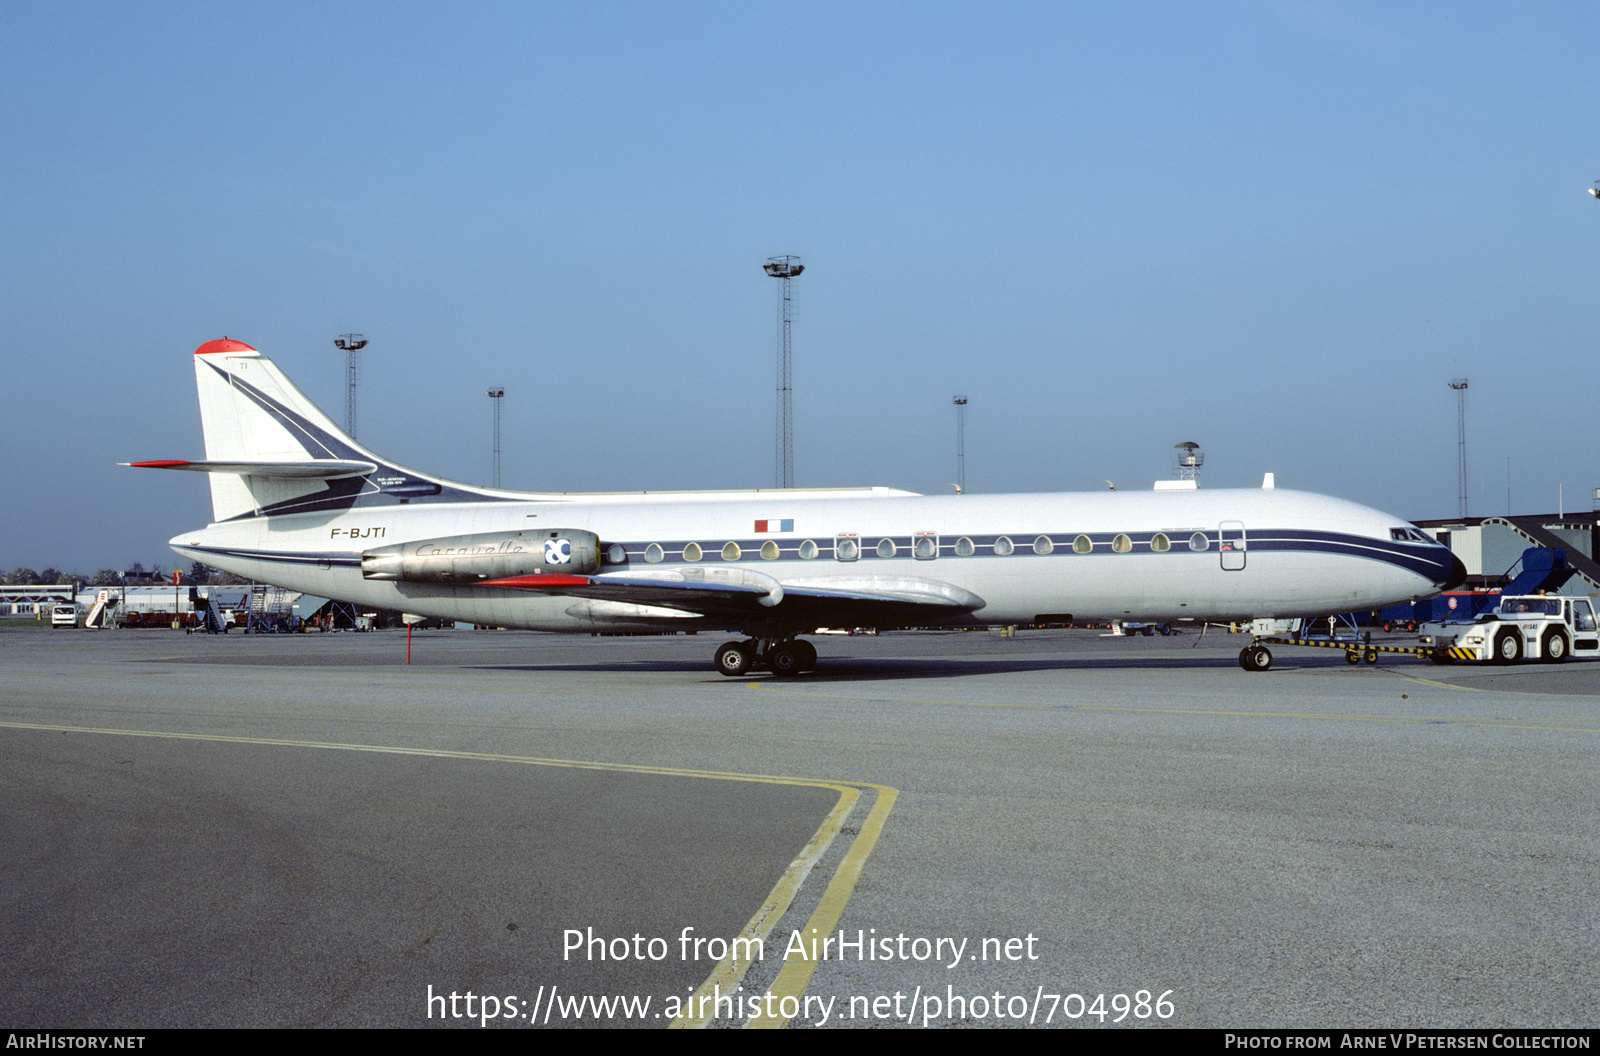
222	344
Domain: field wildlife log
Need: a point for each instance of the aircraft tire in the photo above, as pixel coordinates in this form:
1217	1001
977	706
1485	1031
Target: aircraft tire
1508	647
733	659
786	660
1370	656
1255	658
1554	646
1351	656
1441	657
808	654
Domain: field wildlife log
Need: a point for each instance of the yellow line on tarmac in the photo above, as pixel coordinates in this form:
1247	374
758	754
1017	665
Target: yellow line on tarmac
798	969
724	980
728	973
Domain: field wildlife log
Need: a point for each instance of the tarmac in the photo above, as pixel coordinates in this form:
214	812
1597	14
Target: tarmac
528	830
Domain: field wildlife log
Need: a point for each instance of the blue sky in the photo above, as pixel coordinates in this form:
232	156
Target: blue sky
1275	228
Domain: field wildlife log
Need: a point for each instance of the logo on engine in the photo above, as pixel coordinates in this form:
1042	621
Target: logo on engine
557	552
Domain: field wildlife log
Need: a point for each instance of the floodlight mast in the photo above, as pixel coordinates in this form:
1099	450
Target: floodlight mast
1460	385
785	269
495	396
351	344
961	443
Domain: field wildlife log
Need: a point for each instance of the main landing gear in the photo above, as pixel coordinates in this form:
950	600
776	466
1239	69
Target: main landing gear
783	657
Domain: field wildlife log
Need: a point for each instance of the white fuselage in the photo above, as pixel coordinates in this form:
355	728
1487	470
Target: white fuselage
1166	555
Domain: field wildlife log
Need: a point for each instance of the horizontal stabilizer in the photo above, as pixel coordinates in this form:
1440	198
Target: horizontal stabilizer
319	469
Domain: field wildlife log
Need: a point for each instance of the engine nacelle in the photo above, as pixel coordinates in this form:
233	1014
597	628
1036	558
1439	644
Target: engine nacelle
488	555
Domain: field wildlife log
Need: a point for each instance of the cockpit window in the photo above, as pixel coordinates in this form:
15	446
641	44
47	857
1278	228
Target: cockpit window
1409	535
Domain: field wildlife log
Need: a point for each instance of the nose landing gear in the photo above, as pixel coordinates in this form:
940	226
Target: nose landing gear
1255	658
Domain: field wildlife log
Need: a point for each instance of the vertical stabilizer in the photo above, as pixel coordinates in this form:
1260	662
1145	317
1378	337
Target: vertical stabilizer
250	412
270	451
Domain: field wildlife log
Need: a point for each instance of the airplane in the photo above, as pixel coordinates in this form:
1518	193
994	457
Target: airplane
299	504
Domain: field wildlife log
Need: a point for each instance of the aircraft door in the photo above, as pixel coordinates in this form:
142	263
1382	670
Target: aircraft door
1232	544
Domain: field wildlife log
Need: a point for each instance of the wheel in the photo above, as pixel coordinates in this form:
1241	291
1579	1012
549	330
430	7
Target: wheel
1508	647
733	659
787	659
1351	656
1165	629
1255	658
808	654
1147	631
1553	647
1441	657
1370	656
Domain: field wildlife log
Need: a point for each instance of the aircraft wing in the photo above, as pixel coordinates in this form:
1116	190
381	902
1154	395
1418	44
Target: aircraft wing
857	601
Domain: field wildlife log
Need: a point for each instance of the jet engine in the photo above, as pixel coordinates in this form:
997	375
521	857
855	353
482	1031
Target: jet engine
488	555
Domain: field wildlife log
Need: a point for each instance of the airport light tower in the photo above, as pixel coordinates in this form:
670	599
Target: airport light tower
1460	385
786	269
961	444
495	396
351	344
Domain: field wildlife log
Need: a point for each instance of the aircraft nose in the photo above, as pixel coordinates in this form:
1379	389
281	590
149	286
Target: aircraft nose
1457	575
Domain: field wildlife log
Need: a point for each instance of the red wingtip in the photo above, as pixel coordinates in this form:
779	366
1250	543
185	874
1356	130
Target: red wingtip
160	463
222	344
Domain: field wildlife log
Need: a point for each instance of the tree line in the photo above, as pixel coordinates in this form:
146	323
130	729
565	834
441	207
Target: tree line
196	574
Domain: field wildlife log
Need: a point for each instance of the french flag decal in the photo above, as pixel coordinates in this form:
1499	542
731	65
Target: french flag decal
775	526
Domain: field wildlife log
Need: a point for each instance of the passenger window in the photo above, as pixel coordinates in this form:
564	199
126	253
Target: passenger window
846	548
653	553
885	547
1122	544
1043	545
1160	543
1082	544
769	551
1198	541
808	550
926	546
964	547
730	551
1002	546
692	552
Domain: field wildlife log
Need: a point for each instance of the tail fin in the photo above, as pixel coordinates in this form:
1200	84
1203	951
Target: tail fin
250	412
269	450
